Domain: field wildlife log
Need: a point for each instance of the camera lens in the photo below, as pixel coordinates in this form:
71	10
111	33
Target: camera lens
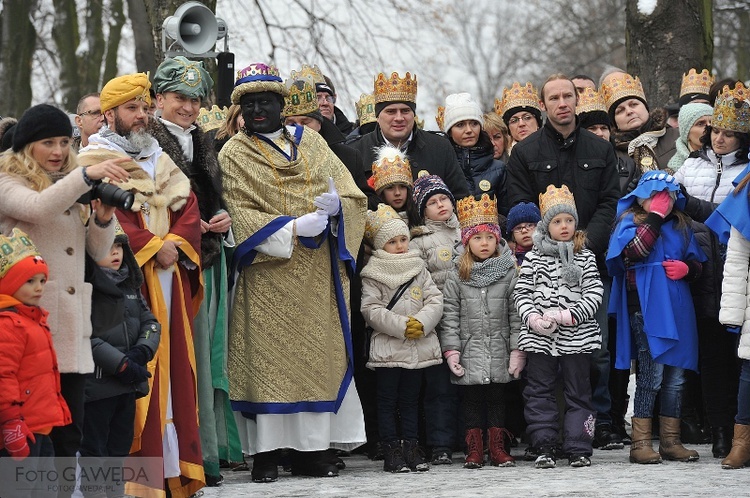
112	195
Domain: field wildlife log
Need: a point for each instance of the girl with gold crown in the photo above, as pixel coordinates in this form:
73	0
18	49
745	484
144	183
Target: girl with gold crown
479	331
557	295
392	180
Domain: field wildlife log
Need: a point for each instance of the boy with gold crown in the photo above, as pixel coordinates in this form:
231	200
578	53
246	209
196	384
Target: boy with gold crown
557	295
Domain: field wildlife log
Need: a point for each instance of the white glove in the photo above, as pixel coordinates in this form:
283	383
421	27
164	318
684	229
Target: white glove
311	224
329	202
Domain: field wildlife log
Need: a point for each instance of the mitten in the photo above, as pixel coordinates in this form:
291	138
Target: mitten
452	357
15	438
734	330
540	325
661	204
414	329
517	362
560	317
311	224
675	269
140	354
329	201
131	372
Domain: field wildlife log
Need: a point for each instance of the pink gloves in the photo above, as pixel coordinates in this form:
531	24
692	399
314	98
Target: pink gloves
661	204
451	357
15	438
675	269
517	362
541	325
560	317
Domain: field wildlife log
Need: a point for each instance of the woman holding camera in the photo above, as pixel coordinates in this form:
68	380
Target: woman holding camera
40	184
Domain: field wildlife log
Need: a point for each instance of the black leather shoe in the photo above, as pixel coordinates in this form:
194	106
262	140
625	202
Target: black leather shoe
722	441
692	432
213	481
266	466
605	438
313	464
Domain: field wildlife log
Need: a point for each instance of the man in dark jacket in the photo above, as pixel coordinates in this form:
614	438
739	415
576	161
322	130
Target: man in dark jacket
561	154
395	103
327	101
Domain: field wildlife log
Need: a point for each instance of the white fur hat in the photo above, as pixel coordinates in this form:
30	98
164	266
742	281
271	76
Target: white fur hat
459	107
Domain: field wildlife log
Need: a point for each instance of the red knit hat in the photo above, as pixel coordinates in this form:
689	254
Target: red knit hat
19	261
21	272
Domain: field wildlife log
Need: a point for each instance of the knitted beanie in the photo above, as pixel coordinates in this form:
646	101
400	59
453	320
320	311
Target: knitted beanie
460	107
689	114
591	118
39	122
523	212
379	106
555	201
384	224
425	187
468	232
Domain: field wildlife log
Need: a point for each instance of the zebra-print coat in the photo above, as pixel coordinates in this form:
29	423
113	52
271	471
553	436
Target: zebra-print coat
540	288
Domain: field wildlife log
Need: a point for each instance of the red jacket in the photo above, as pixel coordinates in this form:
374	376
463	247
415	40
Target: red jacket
29	378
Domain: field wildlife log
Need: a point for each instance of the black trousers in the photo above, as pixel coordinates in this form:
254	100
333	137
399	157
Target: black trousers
482	399
67	439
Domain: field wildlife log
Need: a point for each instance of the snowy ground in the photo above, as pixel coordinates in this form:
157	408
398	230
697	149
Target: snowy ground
609	475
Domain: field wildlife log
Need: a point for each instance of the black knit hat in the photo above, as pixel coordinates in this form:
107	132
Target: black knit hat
591	118
38	122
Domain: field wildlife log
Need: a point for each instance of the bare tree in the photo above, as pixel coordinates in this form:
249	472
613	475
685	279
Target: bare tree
732	44
17	45
665	43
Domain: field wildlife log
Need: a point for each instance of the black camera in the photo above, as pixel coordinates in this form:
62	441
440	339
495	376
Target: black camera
109	194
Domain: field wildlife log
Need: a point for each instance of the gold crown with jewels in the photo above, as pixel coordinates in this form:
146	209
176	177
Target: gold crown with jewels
391	167
302	98
376	219
212	119
440	117
554	196
394	88
518	96
306	71
695	82
365	109
14	249
473	212
732	109
589	100
620	86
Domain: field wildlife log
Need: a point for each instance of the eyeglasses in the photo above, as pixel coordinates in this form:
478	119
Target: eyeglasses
93	112
522	227
326	98
525	118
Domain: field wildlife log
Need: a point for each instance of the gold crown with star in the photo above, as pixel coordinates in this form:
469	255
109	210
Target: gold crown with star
621	86
440	117
554	196
14	249
391	167
302	98
212	119
366	109
518	96
732	109
394	88
589	100
695	82
473	212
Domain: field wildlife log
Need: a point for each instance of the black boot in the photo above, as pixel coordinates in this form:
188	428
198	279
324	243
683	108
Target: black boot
313	464
722	441
393	457
266	466
414	456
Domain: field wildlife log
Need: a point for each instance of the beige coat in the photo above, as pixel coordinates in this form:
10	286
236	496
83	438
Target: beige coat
55	223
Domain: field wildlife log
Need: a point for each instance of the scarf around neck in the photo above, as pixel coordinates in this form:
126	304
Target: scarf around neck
393	270
570	272
489	271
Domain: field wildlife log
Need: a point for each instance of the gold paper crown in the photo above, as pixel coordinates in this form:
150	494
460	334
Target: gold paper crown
366	109
395	89
14	249
621	86
211	119
376	219
732	109
314	73
589	100
390	168
419	122
302	98
473	212
695	82
554	196
440	117
519	96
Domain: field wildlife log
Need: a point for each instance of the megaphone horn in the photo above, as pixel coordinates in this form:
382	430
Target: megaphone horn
193	26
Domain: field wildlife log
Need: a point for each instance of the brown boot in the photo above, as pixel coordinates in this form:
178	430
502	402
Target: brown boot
499	457
739	456
474	449
641	450
670	446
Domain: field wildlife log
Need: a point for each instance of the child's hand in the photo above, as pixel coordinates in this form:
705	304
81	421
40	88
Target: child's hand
661	204
517	363
675	269
560	317
414	329
540	325
452	357
15	438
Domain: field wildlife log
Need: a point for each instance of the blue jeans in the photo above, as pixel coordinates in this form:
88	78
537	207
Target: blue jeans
654	378
398	389
600	362
743	399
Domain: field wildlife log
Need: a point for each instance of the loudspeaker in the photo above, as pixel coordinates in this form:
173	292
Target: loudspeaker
193	26
225	80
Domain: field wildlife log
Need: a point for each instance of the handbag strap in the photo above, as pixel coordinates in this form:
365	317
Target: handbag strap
399	292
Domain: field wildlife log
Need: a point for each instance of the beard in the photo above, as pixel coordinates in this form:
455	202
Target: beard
139	139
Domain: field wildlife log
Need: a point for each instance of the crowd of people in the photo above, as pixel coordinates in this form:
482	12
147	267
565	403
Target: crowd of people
271	285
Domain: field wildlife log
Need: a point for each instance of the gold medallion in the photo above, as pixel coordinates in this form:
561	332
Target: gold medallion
416	292
422	173
485	185
647	161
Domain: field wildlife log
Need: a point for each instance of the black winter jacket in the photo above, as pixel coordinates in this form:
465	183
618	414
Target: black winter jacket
482	170
582	161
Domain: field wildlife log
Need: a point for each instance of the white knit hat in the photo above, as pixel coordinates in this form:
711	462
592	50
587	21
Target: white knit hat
460	107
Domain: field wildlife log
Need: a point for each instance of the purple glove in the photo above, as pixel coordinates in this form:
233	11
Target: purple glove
661	204
451	357
540	325
675	269
517	363
560	317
